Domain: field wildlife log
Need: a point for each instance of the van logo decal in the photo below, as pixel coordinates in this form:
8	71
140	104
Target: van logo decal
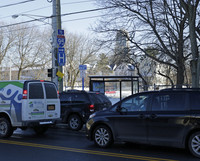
12	91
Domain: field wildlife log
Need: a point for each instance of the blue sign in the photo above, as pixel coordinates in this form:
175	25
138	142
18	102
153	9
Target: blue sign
61	50
60	32
61	57
61	40
82	67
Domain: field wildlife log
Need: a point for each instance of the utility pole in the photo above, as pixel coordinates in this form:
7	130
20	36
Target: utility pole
56	24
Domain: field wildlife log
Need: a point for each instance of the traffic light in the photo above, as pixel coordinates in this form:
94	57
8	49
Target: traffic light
49	72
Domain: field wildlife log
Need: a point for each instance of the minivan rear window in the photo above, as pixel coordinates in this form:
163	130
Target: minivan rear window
169	102
36	91
194	100
50	91
94	98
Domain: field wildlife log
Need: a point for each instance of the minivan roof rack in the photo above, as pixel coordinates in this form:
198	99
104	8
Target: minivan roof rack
75	90
181	89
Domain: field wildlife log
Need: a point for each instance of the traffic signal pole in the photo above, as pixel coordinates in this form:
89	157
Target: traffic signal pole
56	24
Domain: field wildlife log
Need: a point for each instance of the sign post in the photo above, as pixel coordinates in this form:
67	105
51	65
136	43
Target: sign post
82	69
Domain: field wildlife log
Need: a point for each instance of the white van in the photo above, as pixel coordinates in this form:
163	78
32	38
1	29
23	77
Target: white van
25	104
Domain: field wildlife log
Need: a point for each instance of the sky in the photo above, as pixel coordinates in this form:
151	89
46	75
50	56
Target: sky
75	23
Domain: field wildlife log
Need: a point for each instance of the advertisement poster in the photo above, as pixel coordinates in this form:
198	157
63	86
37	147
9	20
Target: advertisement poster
99	87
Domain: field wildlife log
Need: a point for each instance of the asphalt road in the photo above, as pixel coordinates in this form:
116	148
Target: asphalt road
62	144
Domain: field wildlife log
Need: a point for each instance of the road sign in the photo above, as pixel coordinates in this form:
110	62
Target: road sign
82	67
60	74
82	73
61	50
60	32
61	40
61	57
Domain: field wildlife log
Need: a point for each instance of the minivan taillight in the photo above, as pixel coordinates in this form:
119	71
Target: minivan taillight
91	108
25	94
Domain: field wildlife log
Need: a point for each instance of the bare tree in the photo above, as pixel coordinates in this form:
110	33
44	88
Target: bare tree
79	50
158	24
30	49
6	42
190	7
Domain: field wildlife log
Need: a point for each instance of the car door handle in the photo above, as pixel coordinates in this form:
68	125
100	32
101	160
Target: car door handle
153	116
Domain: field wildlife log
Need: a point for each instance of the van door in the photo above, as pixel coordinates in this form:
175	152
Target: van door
169	119
36	103
130	124
52	101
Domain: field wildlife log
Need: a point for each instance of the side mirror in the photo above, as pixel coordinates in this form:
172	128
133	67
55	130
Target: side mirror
119	109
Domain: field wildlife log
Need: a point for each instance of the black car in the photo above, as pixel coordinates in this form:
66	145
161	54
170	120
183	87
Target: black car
168	117
76	106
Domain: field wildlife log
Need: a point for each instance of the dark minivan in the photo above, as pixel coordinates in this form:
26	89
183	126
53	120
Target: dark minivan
169	117
77	106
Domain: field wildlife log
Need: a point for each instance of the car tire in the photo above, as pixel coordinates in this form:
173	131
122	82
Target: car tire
102	136
40	130
74	122
194	144
6	129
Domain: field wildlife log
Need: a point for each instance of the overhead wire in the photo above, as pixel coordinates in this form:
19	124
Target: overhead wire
66	14
68	3
62	22
13	4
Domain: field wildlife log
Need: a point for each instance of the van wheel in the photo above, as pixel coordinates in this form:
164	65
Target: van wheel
6	129
102	136
194	144
39	130
75	122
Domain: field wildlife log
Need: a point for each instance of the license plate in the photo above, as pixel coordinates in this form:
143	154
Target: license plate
50	107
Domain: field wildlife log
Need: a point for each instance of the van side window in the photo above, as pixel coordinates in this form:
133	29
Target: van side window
169	102
80	98
66	98
194	101
36	91
50	91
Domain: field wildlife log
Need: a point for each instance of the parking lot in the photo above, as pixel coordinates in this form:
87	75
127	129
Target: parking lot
61	144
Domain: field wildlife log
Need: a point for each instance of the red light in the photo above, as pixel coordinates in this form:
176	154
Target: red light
91	108
41	80
24	94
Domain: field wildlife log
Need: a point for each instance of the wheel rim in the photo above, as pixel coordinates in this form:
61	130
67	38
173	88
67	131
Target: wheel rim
74	123
102	136
196	144
3	128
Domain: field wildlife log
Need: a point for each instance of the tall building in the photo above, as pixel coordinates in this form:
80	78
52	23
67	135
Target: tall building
121	47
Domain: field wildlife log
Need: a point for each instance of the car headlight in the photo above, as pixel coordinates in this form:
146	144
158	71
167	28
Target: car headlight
92	115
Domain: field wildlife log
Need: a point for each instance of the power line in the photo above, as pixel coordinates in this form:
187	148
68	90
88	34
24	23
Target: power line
79	2
13	4
66	14
75	2
71	20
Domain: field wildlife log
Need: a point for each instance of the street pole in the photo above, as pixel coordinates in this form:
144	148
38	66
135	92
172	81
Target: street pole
56	24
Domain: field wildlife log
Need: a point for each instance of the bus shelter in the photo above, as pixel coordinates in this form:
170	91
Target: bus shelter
114	86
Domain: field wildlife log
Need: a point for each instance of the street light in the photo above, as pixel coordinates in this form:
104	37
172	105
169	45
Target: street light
41	18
